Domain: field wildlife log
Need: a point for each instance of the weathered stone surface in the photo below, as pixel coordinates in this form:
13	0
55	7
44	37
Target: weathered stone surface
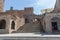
26	21
1	5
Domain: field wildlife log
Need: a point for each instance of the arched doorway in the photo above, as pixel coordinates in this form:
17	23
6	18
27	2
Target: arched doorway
2	24
55	23
26	20
13	25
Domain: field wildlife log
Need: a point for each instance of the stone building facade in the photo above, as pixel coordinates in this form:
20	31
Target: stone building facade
51	20
14	21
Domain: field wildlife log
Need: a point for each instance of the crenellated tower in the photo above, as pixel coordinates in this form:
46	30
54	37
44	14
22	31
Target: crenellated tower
1	5
57	6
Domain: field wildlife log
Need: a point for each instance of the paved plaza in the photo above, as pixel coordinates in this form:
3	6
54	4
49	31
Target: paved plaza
28	36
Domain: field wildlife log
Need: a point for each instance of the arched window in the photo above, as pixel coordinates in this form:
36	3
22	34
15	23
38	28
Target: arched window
2	24
13	25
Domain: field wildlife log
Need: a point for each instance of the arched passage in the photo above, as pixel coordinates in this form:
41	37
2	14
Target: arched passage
13	25
55	23
2	24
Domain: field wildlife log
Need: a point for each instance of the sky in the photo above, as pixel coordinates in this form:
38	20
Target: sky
38	5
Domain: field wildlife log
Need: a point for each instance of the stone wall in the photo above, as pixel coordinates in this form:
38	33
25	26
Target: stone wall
47	19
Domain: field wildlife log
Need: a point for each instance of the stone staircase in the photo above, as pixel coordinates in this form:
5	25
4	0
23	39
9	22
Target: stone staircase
29	27
3	31
28	38
56	32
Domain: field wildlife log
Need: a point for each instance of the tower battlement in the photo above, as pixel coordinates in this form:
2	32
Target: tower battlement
1	5
28	10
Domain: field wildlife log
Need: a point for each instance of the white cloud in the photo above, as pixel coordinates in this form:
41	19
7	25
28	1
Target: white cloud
43	4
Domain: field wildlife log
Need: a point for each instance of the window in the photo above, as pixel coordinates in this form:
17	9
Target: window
13	25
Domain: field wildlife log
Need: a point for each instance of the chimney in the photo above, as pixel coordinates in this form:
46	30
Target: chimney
11	8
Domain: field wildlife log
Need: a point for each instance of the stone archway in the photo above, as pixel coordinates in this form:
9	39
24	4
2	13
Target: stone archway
2	24
13	25
55	24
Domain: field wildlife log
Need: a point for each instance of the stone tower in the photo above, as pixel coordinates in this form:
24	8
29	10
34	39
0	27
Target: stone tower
1	5
57	6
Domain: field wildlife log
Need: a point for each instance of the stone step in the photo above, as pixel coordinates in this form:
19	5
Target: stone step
29	27
29	38
3	31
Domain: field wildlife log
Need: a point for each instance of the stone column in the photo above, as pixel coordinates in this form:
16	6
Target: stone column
48	26
8	26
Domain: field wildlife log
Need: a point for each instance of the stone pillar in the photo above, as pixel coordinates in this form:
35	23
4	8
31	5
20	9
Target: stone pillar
8	26
48	26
